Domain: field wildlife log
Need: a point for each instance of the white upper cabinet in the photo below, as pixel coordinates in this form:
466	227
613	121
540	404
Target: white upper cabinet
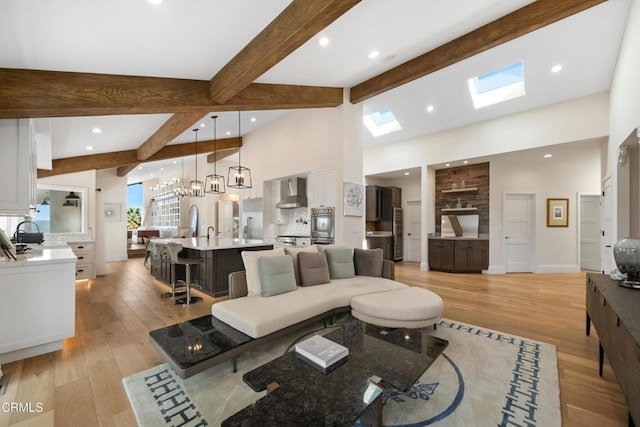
322	188
17	167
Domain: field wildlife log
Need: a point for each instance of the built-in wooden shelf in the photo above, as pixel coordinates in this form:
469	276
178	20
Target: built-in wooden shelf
459	209
460	190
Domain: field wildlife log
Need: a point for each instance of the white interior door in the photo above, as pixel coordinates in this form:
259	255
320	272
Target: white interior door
413	230
518	216
225	218
590	232
606	243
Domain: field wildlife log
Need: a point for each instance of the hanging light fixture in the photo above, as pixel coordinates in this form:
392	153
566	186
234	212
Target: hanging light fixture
71	199
239	176
181	190
214	184
196	188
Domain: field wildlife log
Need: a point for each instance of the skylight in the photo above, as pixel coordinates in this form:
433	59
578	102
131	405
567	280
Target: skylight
497	86
381	122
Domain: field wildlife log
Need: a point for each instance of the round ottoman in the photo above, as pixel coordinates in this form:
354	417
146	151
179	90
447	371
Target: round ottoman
402	308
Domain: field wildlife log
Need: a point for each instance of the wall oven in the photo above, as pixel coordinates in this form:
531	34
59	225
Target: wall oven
322	225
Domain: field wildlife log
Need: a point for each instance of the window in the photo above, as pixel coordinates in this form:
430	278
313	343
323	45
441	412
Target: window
381	122
497	86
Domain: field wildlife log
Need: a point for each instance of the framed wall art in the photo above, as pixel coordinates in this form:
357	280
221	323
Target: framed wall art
112	212
353	199
557	212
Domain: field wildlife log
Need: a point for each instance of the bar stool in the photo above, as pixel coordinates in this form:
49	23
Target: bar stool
174	249
178	287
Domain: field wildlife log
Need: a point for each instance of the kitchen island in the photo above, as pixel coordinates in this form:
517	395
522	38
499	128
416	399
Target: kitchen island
37	307
218	258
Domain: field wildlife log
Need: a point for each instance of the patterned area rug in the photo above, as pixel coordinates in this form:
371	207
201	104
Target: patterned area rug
484	378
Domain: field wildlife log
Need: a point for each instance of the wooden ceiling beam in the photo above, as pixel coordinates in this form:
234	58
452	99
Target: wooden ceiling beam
122	159
294	26
124	170
221	153
529	18
36	93
170	130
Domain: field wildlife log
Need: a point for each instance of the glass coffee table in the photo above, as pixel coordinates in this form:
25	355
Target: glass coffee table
196	345
299	394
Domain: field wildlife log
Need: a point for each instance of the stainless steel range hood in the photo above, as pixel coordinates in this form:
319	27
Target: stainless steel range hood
294	193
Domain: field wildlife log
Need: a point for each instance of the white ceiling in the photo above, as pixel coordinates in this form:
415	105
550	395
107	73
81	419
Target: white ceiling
195	38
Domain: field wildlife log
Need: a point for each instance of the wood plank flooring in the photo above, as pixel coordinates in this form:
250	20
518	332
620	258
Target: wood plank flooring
81	385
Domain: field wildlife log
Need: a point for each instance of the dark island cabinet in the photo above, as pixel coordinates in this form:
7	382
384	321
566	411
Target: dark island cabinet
211	274
614	311
459	255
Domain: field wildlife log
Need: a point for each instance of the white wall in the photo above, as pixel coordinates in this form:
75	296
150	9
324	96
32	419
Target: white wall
575	120
624	111
581	119
114	190
562	176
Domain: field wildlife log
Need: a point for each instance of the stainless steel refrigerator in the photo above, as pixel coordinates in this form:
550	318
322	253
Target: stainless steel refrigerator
252	210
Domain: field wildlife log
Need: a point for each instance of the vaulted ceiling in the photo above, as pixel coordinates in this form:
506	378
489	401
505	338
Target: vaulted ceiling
147	74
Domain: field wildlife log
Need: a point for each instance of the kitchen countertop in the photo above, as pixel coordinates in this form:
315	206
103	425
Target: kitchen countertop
379	234
202	244
40	256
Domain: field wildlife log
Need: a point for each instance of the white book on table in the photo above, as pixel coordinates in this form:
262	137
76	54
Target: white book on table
321	351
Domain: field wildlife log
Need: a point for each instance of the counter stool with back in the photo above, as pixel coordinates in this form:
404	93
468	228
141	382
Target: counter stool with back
173	249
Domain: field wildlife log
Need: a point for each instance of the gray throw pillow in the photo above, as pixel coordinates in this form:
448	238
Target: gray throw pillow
340	262
368	262
276	275
313	268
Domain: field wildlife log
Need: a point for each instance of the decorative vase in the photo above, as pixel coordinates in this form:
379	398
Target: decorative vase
626	253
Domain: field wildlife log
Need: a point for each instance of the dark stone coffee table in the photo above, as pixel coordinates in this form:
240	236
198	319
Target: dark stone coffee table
195	345
299	394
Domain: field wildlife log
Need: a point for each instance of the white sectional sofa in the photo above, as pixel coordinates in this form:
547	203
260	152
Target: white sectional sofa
259	316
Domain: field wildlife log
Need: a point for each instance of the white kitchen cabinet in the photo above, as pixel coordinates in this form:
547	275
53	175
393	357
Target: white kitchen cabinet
84	266
17	167
322	188
37	307
280	216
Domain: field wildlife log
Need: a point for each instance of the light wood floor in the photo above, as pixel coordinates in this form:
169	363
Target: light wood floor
81	385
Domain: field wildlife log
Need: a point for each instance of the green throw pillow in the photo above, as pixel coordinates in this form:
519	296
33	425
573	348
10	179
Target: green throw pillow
276	275
340	262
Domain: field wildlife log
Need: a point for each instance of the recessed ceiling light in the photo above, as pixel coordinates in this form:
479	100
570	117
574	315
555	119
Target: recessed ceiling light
556	68
175	161
228	133
465	162
407	173
89	148
253	119
161	169
448	164
374	54
430	108
139	167
324	41
546	156
201	125
96	130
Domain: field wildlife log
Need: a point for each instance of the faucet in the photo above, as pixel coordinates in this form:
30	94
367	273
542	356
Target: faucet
213	231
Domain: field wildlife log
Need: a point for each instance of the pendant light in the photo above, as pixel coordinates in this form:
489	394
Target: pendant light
196	188
180	190
214	184
239	176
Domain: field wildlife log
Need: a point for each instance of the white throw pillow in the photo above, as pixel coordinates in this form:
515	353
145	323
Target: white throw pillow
250	260
293	252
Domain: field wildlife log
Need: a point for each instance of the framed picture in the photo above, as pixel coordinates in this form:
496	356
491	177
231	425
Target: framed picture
557	212
353	199
112	212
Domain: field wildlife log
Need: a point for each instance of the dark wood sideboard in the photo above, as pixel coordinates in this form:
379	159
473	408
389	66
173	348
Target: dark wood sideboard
615	313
